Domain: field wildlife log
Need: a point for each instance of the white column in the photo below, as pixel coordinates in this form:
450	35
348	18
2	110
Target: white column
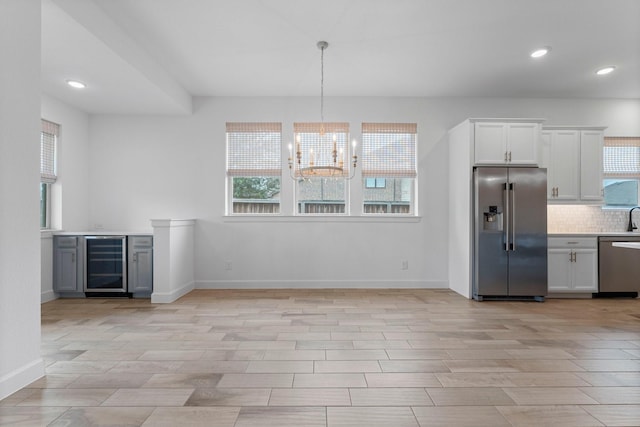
173	259
20	361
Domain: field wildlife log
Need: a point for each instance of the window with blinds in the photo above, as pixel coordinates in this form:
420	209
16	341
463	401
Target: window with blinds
316	195
254	167
389	156
316	139
48	139
621	171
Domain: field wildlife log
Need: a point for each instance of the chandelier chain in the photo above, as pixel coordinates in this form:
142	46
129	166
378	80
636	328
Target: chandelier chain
322	48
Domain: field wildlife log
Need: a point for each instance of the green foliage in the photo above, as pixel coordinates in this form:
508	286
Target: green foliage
255	187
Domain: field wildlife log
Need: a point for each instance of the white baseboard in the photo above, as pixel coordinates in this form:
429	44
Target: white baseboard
47	296
21	377
168	297
321	284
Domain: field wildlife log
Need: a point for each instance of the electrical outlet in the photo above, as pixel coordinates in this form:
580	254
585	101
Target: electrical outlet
228	265
404	264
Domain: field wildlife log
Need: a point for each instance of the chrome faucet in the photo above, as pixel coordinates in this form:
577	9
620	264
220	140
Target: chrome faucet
632	225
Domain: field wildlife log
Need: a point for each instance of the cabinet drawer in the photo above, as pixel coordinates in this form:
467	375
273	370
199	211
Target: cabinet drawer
573	242
141	241
66	242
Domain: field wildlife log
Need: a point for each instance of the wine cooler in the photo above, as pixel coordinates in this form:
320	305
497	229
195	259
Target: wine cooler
105	260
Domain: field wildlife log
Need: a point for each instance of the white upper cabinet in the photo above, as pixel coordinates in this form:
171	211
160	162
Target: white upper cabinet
573	158
591	150
562	164
506	143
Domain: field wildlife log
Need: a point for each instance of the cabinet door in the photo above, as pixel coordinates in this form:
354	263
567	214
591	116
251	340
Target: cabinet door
522	144
585	270
545	155
591	146
141	270
66	271
564	154
559	270
490	143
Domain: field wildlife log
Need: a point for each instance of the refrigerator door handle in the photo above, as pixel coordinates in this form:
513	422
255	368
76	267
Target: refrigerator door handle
512	213
505	203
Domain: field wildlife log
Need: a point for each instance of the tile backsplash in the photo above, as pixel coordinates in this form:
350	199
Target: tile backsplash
587	219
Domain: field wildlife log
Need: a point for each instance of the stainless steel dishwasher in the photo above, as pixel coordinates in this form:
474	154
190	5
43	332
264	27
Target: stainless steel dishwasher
618	268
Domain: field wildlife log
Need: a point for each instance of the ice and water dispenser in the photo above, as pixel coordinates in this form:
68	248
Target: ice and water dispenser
492	220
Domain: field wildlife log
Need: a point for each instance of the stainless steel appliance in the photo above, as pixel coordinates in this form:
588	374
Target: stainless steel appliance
618	268
105	261
510	233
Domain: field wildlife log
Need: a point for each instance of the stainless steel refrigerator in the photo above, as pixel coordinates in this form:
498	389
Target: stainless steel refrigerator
510	233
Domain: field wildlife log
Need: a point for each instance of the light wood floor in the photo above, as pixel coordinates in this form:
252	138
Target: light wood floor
388	358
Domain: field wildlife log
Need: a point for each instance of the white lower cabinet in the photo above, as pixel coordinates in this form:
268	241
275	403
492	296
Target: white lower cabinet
573	265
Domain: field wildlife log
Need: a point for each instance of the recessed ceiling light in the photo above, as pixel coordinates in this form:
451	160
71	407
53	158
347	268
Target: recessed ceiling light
538	53
76	84
605	70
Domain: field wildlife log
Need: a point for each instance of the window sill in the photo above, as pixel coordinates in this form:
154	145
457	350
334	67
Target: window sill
46	233
614	208
322	218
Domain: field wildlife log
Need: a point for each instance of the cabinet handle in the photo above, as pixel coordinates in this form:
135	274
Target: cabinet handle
135	257
505	157
509	156
73	257
575	256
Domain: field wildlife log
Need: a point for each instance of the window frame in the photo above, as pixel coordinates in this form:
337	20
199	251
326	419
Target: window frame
49	138
629	174
320	135
238	168
406	162
45	206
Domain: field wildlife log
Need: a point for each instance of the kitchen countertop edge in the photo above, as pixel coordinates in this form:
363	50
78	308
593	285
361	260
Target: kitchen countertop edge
103	233
593	234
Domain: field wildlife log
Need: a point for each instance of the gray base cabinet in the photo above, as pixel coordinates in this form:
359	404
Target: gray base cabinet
67	265
140	265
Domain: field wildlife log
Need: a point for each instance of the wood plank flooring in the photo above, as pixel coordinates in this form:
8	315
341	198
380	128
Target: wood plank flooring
332	358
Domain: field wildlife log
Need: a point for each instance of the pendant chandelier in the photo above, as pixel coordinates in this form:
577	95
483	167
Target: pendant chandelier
328	162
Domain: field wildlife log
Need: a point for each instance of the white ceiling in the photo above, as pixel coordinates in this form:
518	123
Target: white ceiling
153	56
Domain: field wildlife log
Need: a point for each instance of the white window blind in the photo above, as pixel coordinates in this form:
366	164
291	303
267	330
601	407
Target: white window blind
389	150
317	138
621	157
253	149
48	139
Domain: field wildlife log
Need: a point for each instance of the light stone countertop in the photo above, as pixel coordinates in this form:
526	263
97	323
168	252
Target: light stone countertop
594	234
103	233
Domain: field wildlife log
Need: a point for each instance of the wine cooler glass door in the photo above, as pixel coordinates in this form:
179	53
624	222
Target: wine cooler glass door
105	264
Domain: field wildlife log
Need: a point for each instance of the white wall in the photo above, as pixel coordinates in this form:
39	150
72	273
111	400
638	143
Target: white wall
173	167
20	361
